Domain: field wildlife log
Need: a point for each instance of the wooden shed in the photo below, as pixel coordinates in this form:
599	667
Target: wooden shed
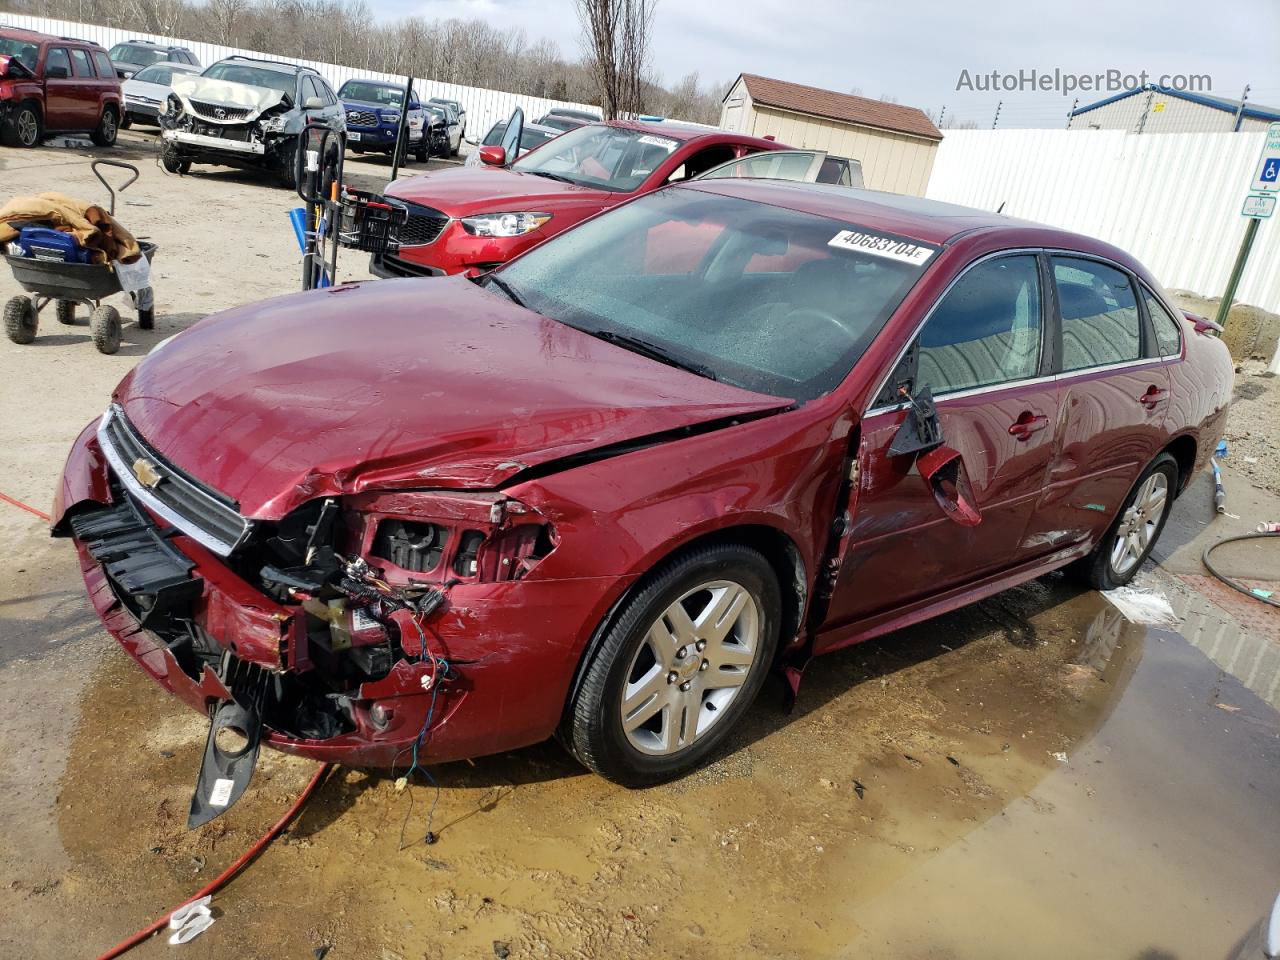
894	143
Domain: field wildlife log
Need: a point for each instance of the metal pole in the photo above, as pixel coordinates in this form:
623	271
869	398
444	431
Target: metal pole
942	116
996	118
402	143
1240	110
1241	258
1072	112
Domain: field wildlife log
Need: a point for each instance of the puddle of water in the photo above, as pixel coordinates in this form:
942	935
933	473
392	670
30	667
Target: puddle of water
915	805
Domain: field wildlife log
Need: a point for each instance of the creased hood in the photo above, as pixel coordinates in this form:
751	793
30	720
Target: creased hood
465	190
398	384
226	92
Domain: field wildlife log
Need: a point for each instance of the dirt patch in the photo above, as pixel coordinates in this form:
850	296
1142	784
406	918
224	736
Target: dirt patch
1250	332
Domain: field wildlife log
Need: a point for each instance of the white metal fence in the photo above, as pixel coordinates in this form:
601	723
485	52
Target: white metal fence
484	107
1171	199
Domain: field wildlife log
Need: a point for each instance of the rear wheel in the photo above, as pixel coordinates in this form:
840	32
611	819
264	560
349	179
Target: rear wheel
679	666
1120	553
20	320
104	324
65	311
25	126
108	127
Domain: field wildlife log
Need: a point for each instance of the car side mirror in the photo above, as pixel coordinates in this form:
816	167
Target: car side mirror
493	156
313	103
56	73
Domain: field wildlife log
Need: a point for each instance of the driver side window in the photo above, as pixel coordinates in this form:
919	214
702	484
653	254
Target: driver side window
987	330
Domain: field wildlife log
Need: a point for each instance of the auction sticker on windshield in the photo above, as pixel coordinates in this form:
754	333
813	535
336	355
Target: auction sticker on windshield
653	141
878	245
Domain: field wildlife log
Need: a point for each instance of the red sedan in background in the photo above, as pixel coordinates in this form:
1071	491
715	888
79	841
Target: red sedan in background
604	489
477	217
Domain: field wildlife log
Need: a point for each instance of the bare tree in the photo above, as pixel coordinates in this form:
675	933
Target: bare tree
616	34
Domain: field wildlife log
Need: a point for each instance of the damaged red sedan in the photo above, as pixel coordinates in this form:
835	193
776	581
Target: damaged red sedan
603	490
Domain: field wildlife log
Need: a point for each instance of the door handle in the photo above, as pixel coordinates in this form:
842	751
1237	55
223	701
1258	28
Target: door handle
1027	424
1153	396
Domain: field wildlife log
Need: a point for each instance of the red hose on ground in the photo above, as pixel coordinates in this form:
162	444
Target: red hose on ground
22	506
217	883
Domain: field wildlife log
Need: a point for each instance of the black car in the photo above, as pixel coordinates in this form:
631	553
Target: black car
132	55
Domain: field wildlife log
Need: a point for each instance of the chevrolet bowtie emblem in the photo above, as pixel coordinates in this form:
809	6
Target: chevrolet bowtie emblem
146	473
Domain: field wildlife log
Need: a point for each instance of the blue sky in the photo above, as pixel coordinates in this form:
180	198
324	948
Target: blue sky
915	51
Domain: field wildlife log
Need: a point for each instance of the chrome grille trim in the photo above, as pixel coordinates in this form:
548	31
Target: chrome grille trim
206	518
362	118
210	111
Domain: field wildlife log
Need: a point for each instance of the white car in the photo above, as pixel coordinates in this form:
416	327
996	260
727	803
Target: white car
147	90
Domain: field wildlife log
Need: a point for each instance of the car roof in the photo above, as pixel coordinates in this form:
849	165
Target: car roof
176	64
927	221
289	68
676	130
374	83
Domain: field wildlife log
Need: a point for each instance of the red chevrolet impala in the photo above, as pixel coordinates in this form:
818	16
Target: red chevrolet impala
603	490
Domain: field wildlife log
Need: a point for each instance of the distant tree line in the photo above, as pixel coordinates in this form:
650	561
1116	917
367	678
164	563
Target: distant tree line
469	52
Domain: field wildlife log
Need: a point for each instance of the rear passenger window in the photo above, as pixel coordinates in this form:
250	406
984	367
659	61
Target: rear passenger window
57	58
1168	339
1099	314
986	330
80	64
103	63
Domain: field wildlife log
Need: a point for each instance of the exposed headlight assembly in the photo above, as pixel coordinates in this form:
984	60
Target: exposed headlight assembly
273	124
504	224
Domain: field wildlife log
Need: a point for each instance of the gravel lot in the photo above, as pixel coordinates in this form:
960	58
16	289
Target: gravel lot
1032	758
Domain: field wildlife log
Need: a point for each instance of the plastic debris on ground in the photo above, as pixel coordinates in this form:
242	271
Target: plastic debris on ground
189	921
1142	606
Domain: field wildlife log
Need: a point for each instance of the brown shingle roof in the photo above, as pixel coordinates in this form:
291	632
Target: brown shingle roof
840	106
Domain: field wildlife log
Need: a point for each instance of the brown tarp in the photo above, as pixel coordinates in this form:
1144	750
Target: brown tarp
93	227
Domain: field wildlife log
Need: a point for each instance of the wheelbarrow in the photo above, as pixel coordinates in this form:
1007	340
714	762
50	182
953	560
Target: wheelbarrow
68	285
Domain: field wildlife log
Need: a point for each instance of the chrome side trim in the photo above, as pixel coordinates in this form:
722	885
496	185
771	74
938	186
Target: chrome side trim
124	473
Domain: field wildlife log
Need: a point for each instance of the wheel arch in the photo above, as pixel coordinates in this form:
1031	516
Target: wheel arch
779	550
1183	449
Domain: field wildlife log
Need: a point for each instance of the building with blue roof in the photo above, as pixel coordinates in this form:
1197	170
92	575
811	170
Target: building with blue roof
1155	109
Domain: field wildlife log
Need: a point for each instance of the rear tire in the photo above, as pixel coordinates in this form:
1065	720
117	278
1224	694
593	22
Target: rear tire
65	310
20	320
665	687
25	127
104	324
108	127
1129	540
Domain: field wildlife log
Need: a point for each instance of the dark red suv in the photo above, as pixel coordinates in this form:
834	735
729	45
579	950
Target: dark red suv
55	85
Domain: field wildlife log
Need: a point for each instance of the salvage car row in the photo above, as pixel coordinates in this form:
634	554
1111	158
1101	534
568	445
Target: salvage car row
239	111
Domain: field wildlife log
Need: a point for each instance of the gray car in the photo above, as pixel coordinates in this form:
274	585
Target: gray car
130	56
243	112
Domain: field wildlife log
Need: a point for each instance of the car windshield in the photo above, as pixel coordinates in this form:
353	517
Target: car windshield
25	53
132	53
769	299
610	158
386	95
281	83
529	138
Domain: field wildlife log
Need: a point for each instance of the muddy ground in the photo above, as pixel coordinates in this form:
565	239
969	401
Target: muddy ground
1032	776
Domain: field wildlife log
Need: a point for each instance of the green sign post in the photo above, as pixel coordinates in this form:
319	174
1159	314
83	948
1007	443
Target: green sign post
1259	204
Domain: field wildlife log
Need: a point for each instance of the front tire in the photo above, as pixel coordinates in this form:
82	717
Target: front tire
104	324
682	661
126	121
25	127
173	161
108	128
20	320
1128	542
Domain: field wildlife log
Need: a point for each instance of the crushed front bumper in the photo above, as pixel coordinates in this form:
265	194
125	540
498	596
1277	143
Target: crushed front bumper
513	645
201	141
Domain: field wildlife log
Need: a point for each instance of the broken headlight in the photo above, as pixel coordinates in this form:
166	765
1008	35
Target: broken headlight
504	224
425	537
274	123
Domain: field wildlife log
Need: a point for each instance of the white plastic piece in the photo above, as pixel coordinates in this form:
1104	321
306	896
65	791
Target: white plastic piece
1142	606
220	795
189	921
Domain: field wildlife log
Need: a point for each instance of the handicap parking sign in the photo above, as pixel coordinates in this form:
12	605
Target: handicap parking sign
1266	175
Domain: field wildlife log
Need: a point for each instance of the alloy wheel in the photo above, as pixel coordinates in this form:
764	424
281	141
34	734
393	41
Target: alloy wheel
692	664
28	127
1139	524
